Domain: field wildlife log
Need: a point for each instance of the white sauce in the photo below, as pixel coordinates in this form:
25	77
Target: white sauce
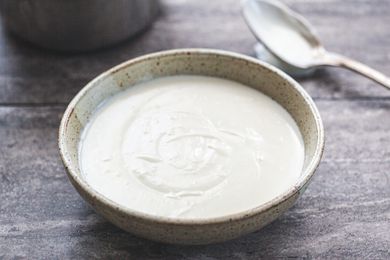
191	147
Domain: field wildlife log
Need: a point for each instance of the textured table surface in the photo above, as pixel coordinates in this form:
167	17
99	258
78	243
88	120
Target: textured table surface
345	212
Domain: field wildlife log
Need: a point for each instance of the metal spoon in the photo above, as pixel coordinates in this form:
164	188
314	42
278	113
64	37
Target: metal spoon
293	43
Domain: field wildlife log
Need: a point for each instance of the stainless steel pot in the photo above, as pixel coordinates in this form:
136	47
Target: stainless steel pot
77	25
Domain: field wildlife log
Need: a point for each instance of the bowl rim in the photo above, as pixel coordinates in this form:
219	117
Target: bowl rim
293	190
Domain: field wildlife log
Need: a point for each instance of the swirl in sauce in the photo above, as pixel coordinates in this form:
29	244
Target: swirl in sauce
191	147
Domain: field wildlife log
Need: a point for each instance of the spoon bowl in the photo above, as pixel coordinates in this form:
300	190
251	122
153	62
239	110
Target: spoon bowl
293	43
284	33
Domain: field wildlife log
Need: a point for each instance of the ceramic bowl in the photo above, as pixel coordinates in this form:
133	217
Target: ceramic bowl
236	67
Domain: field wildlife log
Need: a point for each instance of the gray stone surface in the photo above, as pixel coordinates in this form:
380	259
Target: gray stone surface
345	212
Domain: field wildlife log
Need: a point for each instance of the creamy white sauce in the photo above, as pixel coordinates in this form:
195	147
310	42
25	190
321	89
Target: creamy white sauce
191	147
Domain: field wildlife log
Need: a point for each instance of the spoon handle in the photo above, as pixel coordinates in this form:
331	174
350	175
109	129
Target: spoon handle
337	60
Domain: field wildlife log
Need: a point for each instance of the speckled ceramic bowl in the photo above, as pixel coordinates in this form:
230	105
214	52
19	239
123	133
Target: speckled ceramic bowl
246	70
